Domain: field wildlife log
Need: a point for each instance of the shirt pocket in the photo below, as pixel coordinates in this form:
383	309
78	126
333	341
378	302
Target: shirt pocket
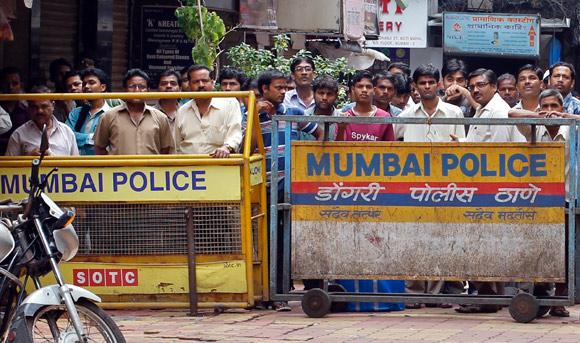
214	134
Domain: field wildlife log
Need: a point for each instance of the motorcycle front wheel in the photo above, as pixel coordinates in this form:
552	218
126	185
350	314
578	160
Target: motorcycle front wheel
52	324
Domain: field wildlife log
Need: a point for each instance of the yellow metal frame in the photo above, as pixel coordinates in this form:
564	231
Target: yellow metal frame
256	270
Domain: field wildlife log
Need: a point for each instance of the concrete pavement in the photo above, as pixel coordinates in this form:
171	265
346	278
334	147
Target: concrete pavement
424	325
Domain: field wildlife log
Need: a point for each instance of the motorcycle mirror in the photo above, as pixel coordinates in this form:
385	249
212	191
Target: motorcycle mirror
44	140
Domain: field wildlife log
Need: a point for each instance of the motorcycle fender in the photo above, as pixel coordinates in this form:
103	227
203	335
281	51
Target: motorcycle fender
50	295
45	296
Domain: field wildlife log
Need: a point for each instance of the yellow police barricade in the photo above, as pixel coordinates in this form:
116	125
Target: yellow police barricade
132	225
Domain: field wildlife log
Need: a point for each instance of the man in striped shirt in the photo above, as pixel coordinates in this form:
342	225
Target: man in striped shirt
272	86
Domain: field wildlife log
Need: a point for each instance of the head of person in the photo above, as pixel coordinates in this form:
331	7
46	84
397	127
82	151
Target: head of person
414	93
231	79
361	87
482	84
529	81
57	69
325	90
95	80
403	89
200	78
40	111
290	84
562	77
136	80
454	73
551	101
303	71
250	84
169	81
399	68
272	86
87	62
384	89
72	82
184	79
11	81
426	77
507	88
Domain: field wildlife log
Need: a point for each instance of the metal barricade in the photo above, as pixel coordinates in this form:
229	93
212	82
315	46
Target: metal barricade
482	212
131	224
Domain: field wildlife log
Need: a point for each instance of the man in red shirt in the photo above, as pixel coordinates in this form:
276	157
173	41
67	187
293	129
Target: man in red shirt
362	92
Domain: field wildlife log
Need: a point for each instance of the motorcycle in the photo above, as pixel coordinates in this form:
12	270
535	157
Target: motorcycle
33	241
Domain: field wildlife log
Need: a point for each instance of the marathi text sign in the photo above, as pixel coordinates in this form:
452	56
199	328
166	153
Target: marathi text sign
400	28
183	183
421	211
509	35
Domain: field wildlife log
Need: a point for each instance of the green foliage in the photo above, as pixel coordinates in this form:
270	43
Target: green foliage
254	61
206	41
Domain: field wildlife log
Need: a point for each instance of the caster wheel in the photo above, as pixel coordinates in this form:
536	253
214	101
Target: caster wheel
337	306
543	310
316	303
524	308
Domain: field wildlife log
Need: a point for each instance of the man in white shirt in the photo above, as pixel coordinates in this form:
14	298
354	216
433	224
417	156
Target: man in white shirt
5	122
529	85
25	141
426	78
482	83
207	126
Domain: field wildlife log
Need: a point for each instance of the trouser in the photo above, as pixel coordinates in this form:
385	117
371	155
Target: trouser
434	287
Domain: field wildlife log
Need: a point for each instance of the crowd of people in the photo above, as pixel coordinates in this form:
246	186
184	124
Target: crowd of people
215	126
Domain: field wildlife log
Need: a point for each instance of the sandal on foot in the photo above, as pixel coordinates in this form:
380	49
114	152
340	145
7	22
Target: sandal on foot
559	311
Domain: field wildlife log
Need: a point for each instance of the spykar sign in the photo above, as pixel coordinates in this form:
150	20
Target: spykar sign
428	211
402	28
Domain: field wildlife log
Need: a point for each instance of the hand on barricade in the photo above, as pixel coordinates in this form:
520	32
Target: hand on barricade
221	152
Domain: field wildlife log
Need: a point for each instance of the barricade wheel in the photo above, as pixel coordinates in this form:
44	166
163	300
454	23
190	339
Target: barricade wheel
337	306
524	308
316	303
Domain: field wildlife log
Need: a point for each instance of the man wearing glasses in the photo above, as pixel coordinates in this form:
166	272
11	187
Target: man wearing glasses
133	128
482	84
303	73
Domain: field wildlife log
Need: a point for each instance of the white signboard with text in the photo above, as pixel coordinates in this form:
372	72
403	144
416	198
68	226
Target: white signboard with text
400	28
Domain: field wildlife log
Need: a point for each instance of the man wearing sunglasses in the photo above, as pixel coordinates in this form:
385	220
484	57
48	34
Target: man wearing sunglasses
482	84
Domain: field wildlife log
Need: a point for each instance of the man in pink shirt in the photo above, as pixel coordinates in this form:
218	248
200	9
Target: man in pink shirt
362	92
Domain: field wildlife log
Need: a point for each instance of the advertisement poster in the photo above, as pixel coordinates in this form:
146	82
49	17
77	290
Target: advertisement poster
163	44
402	28
491	34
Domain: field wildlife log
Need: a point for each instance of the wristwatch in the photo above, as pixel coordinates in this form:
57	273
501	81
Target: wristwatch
231	150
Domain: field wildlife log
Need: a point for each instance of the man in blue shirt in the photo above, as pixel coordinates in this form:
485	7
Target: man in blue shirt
84	120
561	77
303	73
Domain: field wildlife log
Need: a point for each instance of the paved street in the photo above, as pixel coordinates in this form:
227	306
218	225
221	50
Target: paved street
425	325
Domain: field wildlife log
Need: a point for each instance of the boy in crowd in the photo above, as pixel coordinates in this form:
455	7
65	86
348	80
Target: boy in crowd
84	119
362	91
325	94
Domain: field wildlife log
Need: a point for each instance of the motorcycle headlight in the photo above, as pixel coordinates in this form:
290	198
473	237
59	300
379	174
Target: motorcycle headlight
67	242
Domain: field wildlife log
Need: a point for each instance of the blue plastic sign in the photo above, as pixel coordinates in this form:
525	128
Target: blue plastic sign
499	35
